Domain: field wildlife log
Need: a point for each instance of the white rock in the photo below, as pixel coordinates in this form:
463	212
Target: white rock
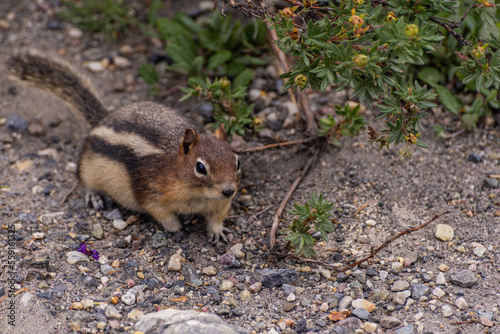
443	232
344	303
419	316
370	327
26	298
440	279
38	235
120	224
396	266
290	298
461	303
95	66
236	250
438	292
226	285
364	304
447	311
75	33
371	222
174	264
399	298
479	250
121	62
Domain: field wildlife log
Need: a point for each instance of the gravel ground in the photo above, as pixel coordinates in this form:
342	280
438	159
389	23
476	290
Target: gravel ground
444	278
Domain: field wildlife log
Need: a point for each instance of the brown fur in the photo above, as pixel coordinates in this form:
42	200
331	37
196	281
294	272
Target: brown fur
145	156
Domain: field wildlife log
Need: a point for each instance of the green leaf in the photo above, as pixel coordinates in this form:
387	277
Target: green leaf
431	75
149	74
243	79
218	59
451	102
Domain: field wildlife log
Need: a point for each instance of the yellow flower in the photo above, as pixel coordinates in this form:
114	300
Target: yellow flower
411	30
300	80
479	49
356	20
360	60
391	17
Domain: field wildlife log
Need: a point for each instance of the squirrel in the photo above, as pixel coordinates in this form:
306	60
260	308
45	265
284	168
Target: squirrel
148	158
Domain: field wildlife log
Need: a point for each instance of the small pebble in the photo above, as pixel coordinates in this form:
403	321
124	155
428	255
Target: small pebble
390	322
447	311
461	303
175	263
443	267
371	222
440	279
75	33
236	251
400	285
98	232
120	224
438	292
210	271
245	294
364	304
370	327
226	285
444	232
256	287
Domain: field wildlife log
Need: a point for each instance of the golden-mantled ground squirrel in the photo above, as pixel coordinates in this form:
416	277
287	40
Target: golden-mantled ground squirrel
145	156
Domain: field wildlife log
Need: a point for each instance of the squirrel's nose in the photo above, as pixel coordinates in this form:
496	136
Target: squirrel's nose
228	192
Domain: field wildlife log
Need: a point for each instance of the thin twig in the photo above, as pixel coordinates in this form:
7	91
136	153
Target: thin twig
454	134
276	219
387	242
281	144
457	36
361	208
311	125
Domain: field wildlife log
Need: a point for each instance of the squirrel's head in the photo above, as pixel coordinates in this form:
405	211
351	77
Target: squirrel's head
209	165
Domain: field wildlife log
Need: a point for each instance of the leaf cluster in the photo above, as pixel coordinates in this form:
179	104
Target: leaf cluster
376	48
350	123
316	211
110	17
218	54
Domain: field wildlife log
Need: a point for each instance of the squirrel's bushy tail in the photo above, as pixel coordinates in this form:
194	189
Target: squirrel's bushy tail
54	75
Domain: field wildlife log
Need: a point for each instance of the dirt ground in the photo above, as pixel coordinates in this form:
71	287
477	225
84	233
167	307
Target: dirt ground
37	171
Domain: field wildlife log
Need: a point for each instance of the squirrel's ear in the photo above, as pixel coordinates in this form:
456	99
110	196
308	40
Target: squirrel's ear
220	133
190	138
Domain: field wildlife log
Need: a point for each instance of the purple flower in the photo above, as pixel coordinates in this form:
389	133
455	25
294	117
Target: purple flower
87	251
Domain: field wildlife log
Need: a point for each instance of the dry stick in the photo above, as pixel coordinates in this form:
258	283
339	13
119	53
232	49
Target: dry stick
311	125
265	147
276	219
387	242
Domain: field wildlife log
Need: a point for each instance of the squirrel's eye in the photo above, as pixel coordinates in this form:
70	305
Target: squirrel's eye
238	164
200	168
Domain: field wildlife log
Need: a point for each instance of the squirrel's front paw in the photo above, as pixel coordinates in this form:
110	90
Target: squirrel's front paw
216	232
94	199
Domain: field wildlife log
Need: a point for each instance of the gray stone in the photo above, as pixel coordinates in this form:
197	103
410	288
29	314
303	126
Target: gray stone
352	323
113	214
230	260
362	314
399	298
271	278
400	285
75	257
390	322
172	321
408	329
412	256
16	123
159	240
111	312
418	290
360	276
345	303
463	278
129	298
490	182
485	313
371	272
98	232
288	289
191	276
106	268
